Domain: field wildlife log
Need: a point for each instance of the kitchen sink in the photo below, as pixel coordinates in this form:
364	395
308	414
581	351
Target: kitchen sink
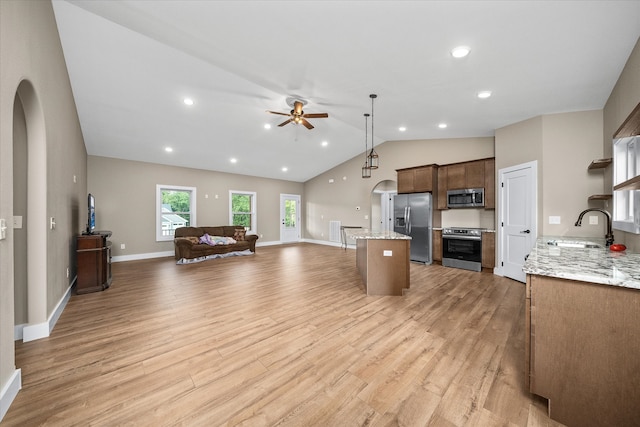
574	244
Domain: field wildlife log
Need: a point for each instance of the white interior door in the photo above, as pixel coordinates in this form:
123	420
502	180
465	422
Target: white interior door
386	205
289	218
518	229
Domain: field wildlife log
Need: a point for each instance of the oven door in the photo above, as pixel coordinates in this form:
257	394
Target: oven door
462	248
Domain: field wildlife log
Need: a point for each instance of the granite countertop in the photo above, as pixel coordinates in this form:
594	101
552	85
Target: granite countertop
596	265
368	234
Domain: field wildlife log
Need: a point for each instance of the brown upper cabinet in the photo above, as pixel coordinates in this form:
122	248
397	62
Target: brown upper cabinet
474	174
465	175
418	180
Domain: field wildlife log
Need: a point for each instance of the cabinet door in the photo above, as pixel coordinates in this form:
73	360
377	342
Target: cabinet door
423	179
456	177
441	201
474	174
488	250
405	181
490	184
437	245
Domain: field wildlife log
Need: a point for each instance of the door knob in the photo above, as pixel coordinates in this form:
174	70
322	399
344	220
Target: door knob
526	231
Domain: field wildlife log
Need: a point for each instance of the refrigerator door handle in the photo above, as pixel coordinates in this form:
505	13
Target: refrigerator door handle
409	220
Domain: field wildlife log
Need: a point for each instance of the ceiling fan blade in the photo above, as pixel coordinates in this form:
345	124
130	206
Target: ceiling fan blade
284	123
316	115
277	112
306	123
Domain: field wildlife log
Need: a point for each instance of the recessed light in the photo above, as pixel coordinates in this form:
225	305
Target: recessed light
188	101
168	149
233	160
442	125
484	94
460	51
324	143
267	126
284	169
402	128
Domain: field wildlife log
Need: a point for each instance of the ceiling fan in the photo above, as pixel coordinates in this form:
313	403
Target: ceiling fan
297	116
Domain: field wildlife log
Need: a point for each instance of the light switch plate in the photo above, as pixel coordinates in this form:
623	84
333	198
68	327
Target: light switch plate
387	253
17	222
554	220
593	220
3	228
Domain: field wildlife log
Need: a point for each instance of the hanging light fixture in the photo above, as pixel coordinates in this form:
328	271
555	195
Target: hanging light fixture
366	169
372	158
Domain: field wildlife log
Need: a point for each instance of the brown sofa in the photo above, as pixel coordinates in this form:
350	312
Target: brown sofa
186	241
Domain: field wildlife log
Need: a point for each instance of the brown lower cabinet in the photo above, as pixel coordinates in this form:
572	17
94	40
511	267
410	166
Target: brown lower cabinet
488	250
437	245
582	346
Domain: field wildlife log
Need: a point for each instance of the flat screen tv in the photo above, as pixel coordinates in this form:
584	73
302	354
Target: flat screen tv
91	217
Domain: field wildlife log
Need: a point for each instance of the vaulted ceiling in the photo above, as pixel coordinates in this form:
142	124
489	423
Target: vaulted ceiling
132	64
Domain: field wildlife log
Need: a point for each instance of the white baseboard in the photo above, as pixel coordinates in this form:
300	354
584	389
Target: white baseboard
136	257
32	332
9	392
272	243
150	255
327	243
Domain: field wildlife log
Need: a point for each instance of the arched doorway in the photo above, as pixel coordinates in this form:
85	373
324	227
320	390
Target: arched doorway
382	205
30	199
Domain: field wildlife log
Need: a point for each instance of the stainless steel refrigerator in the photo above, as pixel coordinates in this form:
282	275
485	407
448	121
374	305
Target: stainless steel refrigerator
413	216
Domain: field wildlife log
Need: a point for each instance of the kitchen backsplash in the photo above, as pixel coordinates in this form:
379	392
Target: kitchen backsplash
475	218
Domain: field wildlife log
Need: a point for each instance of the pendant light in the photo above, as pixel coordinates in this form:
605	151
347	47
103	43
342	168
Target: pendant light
366	169
372	158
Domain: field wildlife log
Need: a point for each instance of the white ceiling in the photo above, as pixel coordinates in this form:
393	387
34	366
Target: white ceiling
131	64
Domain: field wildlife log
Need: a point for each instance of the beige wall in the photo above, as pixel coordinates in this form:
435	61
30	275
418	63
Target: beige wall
623	99
30	51
338	200
563	145
125	194
570	141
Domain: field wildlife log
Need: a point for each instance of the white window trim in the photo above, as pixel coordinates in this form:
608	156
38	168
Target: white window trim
254	214
159	235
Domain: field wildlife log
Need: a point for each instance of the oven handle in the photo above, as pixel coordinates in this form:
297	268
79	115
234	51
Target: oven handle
462	237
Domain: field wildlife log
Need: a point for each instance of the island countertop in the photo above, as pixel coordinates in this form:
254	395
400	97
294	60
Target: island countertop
596	265
368	234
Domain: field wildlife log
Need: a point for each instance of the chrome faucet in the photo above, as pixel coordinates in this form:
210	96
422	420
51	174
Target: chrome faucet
609	235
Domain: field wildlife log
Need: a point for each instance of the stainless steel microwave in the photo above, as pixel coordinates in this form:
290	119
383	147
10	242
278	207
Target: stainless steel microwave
466	198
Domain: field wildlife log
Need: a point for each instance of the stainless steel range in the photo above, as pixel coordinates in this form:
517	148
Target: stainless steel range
462	248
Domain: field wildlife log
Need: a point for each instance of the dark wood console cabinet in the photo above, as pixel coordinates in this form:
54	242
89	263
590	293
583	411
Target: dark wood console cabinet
94	262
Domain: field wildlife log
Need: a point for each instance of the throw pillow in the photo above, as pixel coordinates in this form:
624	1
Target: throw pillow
239	234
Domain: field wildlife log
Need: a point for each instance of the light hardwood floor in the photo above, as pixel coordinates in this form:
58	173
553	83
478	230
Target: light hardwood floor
284	337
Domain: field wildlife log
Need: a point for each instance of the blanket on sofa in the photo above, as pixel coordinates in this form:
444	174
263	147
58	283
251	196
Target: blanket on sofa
183	261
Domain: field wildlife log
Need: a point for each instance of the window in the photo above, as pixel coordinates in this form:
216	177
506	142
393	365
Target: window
242	209
626	165
175	207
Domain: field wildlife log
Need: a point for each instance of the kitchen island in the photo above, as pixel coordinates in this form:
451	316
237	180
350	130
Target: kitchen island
582	327
382	258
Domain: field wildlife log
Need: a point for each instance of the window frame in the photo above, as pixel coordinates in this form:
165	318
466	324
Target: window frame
254	208
626	165
160	236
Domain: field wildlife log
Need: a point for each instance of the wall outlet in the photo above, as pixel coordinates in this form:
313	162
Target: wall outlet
122	246
67	272
593	220
17	222
387	253
554	220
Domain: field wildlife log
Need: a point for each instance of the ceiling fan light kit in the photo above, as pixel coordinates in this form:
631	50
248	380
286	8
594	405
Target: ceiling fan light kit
297	115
